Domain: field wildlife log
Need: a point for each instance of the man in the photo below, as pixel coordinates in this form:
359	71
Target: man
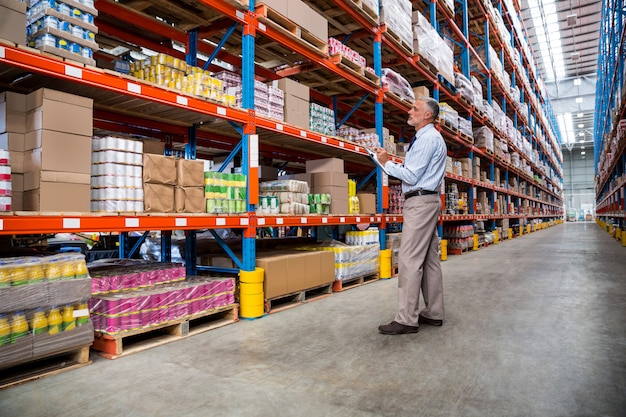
418	263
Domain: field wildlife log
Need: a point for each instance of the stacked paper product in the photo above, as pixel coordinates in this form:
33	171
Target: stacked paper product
284	197
116	175
397	16
5	181
483	138
449	116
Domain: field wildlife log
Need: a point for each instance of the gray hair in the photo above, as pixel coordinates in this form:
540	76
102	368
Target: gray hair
433	106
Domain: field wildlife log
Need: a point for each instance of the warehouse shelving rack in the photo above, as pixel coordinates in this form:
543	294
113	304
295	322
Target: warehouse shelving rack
609	148
125	104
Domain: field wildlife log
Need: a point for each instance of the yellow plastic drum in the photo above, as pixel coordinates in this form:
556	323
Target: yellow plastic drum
385	263
444	250
252	277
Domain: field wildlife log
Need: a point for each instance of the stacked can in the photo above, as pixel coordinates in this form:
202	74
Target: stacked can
251	296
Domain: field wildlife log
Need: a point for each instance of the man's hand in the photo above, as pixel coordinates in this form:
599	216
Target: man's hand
382	155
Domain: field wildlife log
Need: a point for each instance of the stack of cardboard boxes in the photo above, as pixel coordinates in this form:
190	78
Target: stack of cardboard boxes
48	134
13	21
302	15
289	272
297	104
172	185
327	177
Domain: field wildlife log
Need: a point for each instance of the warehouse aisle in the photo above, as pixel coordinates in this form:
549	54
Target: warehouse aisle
535	327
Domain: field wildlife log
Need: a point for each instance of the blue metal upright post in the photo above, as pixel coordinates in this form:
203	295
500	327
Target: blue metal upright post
381	179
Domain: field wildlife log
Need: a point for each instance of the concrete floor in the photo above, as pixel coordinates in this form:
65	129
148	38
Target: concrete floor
535	327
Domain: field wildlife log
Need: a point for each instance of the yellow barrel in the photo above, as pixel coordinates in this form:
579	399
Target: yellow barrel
475	242
618	234
385	263
510	233
527	229
496	237
251	296
624	239
252	277
444	250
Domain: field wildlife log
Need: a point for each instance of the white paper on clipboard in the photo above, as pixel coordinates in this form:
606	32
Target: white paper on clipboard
373	157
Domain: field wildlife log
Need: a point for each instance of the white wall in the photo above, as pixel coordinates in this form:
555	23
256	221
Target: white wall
578	179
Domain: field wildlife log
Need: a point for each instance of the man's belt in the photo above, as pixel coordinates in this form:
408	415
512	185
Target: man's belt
419	192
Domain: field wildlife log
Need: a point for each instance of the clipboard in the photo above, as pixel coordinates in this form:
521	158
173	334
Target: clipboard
373	157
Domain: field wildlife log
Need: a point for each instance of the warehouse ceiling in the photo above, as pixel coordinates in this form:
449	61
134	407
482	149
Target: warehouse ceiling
564	35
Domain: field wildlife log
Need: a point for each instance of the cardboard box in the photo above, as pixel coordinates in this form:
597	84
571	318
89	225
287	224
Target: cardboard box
14	101
325	165
339	206
336	192
421	91
189	173
297	111
313	269
321	179
292	88
11	120
189	200
18	161
58	197
220	261
160	169
63	112
17	200
367	203
13	21
34	179
296	272
327	260
279	6
58	151
17	182
306	177
12	141
153	146
44	96
158	198
307	18
275	277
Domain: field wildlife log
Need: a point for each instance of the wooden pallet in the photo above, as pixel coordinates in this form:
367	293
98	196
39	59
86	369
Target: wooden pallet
445	123
271	18
427	66
349	283
284	302
466	138
371	77
346	64
406	48
456	251
487	151
113	346
449	85
53	365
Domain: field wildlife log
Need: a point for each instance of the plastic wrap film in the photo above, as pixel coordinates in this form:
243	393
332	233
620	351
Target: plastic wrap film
397	84
464	86
321	119
294	186
119	275
366	137
449	116
465	127
396	14
372	5
337	47
483	138
430	46
175	73
352	261
27	270
225	192
131	310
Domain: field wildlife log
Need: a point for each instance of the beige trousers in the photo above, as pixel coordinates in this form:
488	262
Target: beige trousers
419	267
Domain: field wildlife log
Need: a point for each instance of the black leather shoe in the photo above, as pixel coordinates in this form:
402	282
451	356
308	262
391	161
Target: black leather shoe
432	322
396	328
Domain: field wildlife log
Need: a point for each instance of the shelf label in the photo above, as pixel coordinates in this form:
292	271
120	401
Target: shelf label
303	220
261	221
342	220
133	88
279	127
262	27
385	180
73	71
131	222
1	221
239	14
279	220
324	219
303	133
341	144
253	154
220	221
358	220
2	52
356	148
371	220
182	100
181	221
71	223
244	222
221	111
324	139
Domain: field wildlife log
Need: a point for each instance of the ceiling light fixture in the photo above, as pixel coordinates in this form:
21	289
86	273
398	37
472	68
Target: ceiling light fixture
581	114
582	152
577	81
581	125
579	99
